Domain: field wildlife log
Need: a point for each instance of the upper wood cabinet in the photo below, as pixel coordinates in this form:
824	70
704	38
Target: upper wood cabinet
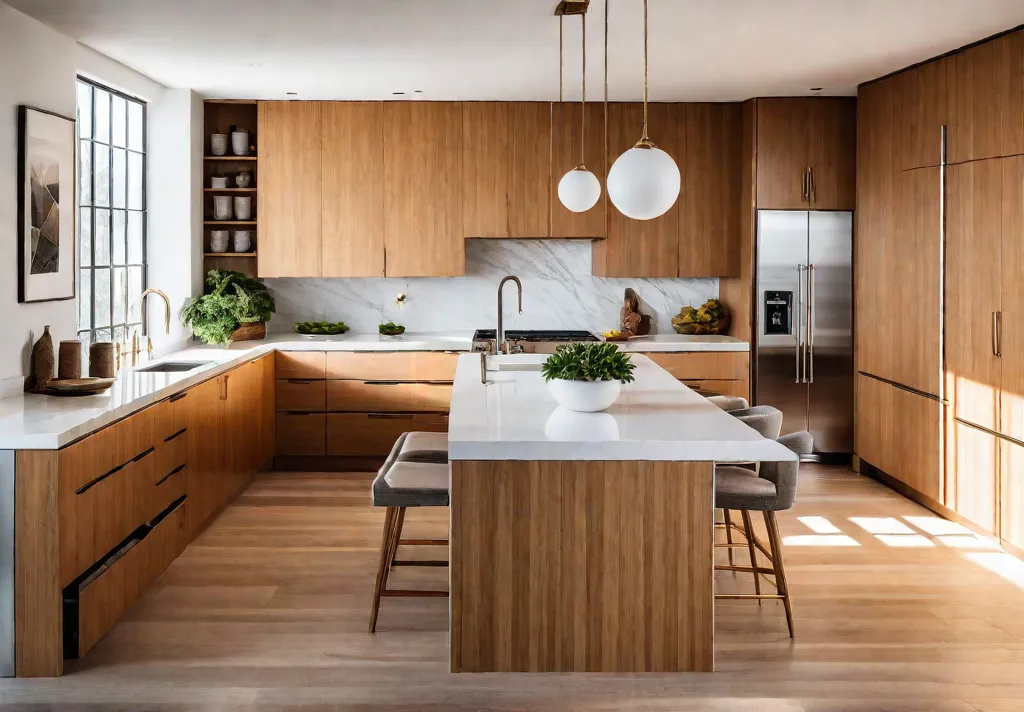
565	155
352	185
806	153
986	100
486	168
921	109
290	193
423	184
528	204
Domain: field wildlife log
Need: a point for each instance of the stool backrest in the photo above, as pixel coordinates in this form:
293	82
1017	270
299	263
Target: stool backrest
765	419
784	475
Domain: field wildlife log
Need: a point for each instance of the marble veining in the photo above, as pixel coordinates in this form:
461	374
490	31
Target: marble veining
559	292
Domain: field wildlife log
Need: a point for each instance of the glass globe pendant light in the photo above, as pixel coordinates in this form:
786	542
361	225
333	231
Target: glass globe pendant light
579	189
643	183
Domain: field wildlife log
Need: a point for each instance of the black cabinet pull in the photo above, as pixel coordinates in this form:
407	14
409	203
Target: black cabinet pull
92	483
175	471
169	438
141	455
177	397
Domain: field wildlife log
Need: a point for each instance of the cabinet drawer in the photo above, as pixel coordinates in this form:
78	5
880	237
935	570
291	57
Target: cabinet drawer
167	488
398	366
374	434
100	514
300	364
717	365
301	434
171	452
301	395
103	598
170	416
388	396
709	387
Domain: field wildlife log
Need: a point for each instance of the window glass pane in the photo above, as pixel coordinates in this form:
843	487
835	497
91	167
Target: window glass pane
102	99
135	179
135	126
83	336
85	173
134	292
120	182
85	237
101	166
119	338
84	298
102	279
120	238
119	296
135	238
101	252
84	110
119	121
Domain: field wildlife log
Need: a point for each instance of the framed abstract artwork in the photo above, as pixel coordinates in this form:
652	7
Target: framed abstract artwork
46	206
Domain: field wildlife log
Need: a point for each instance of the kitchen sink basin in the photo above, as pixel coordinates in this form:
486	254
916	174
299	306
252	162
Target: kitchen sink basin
173	366
520	366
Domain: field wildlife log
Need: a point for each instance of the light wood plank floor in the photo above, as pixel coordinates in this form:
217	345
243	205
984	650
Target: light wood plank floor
895	610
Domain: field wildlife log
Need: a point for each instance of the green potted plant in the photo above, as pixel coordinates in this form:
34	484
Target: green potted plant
390	329
233	307
587	377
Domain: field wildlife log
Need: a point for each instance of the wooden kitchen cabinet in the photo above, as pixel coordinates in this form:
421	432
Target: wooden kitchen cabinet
289	198
986	100
530	179
921	110
974	475
374	434
301	434
565	155
486	168
1011	323
352	186
1011	491
392	366
423	183
640	248
973	289
806	153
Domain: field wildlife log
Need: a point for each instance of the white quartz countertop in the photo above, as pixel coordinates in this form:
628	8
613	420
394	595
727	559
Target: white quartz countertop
515	417
682	343
38	422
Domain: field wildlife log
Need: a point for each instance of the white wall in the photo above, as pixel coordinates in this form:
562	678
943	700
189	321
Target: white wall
39	66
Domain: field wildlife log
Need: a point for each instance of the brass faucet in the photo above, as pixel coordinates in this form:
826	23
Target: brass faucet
167	319
499	341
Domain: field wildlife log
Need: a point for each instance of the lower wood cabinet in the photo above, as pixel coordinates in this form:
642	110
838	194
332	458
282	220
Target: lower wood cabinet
1011	490
973	475
301	434
388	396
391	366
374	434
709	372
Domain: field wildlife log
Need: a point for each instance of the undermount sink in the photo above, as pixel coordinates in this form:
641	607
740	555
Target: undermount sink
520	366
173	366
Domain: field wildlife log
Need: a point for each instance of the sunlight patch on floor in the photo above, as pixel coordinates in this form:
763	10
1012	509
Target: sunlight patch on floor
937	526
819	540
1000	563
819	525
911	541
882	525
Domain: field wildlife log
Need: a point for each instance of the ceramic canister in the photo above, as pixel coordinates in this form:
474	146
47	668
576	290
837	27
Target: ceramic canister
243	207
218	144
218	240
240	143
219	182
243	179
242	240
222	207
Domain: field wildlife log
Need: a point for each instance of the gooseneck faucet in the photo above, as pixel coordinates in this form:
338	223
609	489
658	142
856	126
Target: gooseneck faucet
499	342
167	321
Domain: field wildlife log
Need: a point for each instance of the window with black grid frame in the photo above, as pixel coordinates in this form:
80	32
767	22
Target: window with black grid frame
112	214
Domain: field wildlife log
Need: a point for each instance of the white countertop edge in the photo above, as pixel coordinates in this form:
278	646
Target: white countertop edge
682	343
690	451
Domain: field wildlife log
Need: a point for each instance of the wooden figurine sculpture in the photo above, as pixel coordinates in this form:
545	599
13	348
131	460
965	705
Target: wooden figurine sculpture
632	320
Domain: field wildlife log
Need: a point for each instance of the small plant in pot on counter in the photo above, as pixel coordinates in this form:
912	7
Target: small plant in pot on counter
231	303
587	377
391	329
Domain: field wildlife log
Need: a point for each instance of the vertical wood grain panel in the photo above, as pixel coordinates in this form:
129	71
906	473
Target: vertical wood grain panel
831	140
709	201
1011	269
529	210
1011	491
921	96
38	617
565	155
487	168
973	291
640	248
976	468
782	153
613	572
352	215
738	293
289	194
423	228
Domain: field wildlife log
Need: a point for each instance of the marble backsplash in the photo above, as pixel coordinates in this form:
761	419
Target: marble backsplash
559	292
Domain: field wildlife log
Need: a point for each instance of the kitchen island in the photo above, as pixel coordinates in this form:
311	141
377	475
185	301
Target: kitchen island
584	541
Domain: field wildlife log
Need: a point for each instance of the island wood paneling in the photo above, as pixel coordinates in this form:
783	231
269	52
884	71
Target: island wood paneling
529	209
289	194
486	168
565	155
423	204
581	566
352	185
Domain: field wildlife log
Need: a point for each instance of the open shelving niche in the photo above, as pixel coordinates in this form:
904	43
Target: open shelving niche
219	115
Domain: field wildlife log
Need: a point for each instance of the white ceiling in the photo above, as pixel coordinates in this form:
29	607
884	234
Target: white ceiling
713	50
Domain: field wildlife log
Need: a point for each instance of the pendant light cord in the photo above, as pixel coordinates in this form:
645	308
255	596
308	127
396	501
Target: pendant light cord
645	138
606	3
583	104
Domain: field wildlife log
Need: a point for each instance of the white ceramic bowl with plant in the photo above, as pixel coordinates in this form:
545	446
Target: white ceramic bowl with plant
587	377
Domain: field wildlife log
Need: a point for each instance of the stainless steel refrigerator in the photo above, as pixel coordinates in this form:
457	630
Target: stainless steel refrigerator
804	363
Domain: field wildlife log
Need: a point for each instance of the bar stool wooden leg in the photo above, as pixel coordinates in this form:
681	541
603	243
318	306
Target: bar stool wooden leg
748	530
393	551
383	564
775	541
728	533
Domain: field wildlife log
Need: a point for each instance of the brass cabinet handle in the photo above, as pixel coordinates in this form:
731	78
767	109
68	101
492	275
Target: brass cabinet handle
997	337
811	193
224	395
803	185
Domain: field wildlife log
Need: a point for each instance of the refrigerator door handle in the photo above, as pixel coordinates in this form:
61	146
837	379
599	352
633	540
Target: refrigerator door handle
799	315
810	322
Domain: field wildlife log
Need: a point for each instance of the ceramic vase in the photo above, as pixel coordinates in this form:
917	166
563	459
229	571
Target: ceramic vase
218	144
242	240
240	143
243	208
219	182
222	207
243	179
218	240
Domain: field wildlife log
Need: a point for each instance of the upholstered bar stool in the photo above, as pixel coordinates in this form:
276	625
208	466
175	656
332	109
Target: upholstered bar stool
729	403
771	489
416	474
